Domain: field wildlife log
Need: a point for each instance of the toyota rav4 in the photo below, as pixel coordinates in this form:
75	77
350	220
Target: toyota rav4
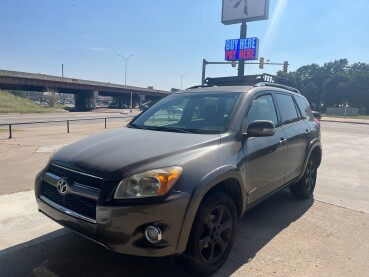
175	184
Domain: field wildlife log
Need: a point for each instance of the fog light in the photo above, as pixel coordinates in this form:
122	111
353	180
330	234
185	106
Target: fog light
153	234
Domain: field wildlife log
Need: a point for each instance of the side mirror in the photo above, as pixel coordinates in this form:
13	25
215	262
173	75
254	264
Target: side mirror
261	128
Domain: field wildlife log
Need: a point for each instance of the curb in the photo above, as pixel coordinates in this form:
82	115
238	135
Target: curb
342	121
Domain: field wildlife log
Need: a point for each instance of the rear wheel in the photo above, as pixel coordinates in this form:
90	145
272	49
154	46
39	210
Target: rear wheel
304	188
212	235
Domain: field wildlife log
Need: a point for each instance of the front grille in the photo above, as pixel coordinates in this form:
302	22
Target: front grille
75	176
75	203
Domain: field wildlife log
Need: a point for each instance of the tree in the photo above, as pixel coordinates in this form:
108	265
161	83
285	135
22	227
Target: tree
334	90
51	97
335	83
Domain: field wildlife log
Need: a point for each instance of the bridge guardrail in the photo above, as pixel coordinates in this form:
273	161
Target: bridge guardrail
10	125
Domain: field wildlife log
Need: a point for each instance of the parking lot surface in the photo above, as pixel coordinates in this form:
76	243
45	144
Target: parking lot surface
324	236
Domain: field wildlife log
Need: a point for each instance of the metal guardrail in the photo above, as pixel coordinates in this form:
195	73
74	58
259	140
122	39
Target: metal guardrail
10	125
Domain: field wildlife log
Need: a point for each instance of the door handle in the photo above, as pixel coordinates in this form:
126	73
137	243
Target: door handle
282	140
306	131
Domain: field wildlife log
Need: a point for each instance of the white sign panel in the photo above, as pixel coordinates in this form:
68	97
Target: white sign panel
238	11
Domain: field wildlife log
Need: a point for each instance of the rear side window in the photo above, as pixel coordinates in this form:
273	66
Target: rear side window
304	107
287	108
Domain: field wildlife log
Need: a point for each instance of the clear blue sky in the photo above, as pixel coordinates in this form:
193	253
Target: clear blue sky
169	37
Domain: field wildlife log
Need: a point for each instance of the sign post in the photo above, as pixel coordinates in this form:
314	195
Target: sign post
241	65
242	11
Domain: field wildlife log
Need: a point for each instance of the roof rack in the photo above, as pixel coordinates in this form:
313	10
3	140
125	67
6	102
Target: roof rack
250	80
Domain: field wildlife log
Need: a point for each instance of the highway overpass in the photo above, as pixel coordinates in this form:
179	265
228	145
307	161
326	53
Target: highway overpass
85	91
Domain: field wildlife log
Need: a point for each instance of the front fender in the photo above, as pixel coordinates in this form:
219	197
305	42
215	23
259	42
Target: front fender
205	185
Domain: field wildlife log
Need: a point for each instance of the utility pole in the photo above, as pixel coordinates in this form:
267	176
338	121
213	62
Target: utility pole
62	70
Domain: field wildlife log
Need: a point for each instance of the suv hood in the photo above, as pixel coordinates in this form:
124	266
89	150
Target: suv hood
115	154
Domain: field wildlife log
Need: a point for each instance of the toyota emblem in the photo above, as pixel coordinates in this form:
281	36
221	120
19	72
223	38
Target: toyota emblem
63	186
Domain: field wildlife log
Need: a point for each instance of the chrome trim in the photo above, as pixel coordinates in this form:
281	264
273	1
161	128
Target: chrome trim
86	187
84	192
252	191
52	179
63	186
74	188
75	171
67	211
158	232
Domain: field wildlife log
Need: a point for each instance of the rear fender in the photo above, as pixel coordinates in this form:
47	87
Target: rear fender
314	144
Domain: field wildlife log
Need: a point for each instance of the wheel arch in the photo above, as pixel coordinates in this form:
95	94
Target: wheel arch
317	153
226	179
316	150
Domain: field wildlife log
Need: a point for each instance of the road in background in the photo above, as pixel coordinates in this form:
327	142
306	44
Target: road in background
76	119
343	177
23	118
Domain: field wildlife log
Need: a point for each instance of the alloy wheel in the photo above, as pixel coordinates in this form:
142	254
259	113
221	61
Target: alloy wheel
216	234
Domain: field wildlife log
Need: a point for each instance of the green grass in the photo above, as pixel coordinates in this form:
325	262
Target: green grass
10	103
7	130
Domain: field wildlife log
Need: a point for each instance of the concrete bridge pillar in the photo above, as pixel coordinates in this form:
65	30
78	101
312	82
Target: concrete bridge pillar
142	99
86	101
95	94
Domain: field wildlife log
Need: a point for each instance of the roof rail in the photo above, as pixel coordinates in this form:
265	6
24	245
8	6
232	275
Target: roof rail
266	84
199	86
248	80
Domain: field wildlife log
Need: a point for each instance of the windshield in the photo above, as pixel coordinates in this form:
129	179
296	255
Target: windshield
189	113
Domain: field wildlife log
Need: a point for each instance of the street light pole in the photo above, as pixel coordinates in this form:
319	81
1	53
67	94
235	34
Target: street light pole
181	75
125	67
125	73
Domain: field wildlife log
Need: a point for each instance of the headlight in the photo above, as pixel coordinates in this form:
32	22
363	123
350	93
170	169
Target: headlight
150	183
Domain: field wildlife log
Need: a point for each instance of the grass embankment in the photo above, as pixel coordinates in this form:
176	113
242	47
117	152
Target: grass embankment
10	103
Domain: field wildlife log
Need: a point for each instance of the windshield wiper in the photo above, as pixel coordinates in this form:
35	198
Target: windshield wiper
168	129
171	129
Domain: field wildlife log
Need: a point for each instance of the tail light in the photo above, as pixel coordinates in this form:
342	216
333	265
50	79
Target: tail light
317	121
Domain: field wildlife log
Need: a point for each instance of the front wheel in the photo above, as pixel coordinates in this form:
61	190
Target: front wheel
304	188
212	234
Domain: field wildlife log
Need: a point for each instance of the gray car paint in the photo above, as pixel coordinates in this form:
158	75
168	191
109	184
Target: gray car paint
207	160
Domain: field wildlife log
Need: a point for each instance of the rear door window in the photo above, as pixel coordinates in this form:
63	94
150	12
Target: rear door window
287	108
304	107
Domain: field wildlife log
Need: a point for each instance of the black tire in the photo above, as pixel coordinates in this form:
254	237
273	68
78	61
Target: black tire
212	235
304	188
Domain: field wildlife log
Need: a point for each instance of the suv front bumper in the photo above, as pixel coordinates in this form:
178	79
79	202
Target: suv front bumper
122	228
